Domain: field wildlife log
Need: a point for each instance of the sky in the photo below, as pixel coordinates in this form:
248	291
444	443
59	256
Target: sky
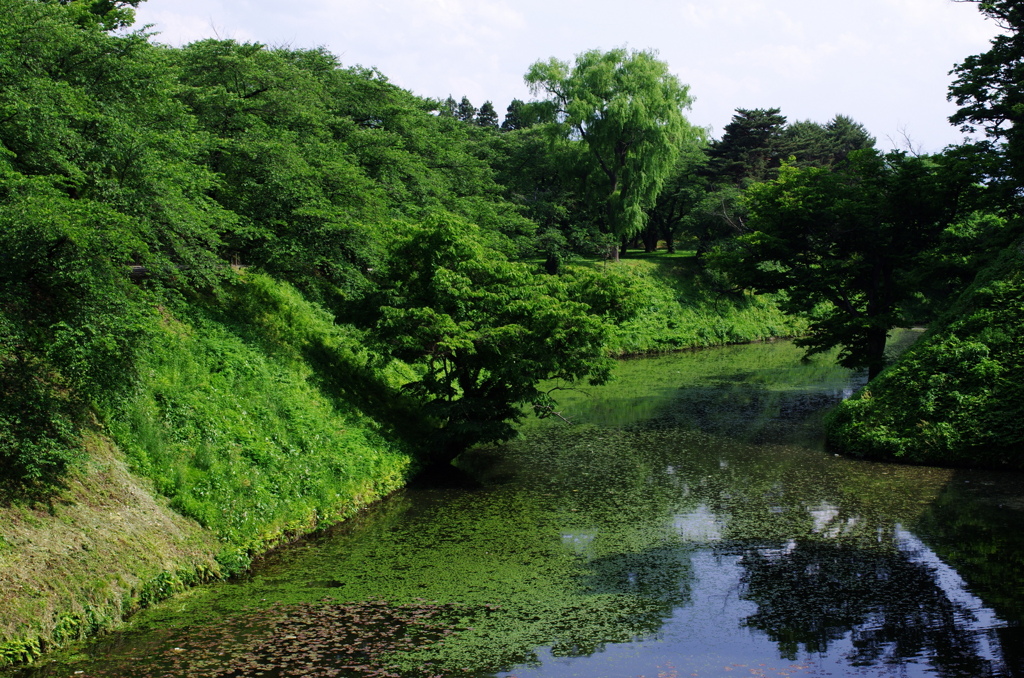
884	63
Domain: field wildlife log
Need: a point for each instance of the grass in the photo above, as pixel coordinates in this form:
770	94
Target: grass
954	398
83	560
239	429
685	307
240	435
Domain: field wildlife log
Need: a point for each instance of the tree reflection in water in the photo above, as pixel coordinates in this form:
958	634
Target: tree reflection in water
890	602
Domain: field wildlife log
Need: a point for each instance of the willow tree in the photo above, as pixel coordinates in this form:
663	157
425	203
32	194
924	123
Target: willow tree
627	109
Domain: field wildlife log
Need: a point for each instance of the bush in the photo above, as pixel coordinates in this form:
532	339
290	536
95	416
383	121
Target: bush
956	397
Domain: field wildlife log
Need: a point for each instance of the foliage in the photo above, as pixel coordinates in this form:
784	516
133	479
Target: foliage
544	180
955	397
811	143
680	307
466	111
70	326
483	330
627	109
841	243
750	148
520	115
988	89
96	174
683	205
753	146
239	427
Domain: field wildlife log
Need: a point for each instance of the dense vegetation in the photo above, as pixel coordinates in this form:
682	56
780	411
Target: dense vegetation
146	187
150	195
956	397
281	285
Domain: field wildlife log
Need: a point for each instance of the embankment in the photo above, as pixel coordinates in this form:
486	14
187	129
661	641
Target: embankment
686	307
956	397
257	418
242	433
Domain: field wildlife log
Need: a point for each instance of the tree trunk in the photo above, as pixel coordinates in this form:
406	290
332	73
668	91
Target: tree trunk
650	238
876	351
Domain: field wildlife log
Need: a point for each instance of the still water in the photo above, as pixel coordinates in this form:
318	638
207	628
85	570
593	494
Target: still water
686	523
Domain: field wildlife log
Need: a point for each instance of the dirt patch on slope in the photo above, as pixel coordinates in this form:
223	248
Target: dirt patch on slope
85	558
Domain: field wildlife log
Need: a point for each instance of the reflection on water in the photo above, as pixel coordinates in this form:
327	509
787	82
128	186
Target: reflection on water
688	524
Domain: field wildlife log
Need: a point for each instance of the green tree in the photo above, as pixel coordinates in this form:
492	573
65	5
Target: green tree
513	119
990	92
676	210
627	109
449	107
487	116
106	14
544	181
843	243
751	147
483	331
812	143
466	111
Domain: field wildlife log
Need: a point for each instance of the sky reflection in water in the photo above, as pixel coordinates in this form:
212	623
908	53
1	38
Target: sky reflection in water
801	563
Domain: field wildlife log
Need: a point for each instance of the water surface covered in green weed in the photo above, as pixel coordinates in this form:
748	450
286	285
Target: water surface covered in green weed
686	523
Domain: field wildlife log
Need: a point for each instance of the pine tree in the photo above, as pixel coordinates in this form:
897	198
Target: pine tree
466	111
487	116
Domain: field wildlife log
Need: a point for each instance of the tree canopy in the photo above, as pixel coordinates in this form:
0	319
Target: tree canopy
841	244
627	108
485	330
134	175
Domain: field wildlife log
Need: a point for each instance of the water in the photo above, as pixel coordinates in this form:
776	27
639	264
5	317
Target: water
688	523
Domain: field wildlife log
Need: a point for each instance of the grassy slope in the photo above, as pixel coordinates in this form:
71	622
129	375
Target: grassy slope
245	423
956	397
239	437
255	422
684	310
81	561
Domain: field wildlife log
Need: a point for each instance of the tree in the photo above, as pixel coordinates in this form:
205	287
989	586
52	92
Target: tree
513	119
627	109
105	14
483	331
845	136
487	116
841	244
990	91
466	111
676	208
97	173
814	144
448	108
751	146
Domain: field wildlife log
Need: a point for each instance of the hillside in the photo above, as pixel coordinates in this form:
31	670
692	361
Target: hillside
956	397
240	433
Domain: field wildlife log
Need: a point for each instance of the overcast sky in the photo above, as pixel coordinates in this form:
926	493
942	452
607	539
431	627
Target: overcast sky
885	63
